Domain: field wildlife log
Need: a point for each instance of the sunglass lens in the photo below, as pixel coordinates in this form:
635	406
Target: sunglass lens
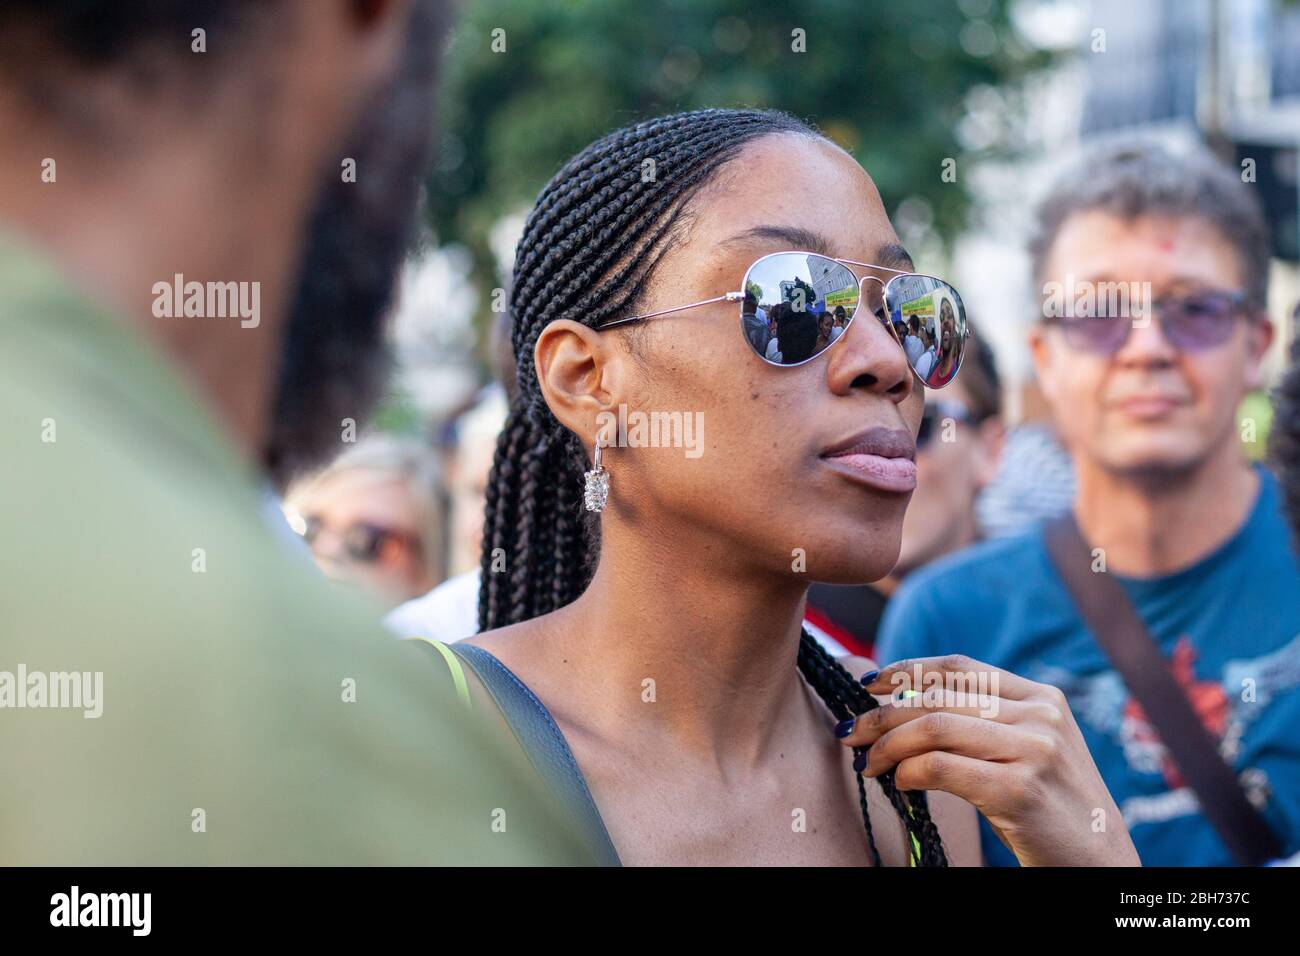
362	542
311	528
1105	334
1198	321
796	305
926	431
928	318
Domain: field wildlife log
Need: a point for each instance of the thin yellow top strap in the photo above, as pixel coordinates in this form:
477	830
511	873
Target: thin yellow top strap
453	664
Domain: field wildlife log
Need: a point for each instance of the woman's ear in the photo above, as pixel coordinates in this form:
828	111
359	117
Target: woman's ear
581	373
1043	355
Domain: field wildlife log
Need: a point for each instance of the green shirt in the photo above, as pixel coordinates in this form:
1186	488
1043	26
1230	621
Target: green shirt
132	546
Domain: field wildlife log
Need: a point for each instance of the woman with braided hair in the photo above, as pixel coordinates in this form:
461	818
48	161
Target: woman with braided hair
648	651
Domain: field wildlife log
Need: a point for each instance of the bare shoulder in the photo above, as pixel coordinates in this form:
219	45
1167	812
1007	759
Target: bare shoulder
528	650
502	639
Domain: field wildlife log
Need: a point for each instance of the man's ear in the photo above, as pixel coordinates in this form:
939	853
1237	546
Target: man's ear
380	27
370	12
581	373
1041	352
1259	337
361	39
988	454
343	53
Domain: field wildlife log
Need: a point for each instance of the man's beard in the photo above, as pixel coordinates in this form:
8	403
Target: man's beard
335	359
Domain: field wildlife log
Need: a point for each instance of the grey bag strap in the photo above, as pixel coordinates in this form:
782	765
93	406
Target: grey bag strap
544	744
1115	625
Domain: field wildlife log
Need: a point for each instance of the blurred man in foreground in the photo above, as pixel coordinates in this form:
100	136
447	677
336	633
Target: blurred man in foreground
176	687
1144	388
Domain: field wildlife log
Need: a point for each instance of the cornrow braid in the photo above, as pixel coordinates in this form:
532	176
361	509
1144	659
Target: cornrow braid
845	697
589	247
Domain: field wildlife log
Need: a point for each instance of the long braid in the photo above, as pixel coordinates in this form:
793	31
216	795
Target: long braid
589	247
846	698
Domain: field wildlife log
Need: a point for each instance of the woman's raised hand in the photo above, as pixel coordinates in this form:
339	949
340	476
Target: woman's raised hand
1003	743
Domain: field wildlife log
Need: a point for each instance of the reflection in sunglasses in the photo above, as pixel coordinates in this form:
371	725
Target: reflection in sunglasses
795	305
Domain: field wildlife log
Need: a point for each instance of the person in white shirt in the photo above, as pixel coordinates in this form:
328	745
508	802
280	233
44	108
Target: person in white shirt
912	343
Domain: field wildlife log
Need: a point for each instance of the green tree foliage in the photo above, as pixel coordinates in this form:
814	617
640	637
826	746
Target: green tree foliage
886	80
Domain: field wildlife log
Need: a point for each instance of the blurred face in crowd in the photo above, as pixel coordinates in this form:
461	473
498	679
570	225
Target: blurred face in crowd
765	487
952	465
364	528
1149	410
467	476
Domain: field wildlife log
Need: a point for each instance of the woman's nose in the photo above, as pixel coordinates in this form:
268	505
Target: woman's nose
869	357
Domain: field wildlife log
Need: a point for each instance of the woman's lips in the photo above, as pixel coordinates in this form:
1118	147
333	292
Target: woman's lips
897	475
882	458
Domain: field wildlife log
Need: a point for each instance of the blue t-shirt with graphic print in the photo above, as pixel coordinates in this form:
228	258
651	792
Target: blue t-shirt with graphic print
1229	624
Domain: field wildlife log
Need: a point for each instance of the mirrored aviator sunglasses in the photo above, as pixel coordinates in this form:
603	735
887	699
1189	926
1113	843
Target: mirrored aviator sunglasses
796	305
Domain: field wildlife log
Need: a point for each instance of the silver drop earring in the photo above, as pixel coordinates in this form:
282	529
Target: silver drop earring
596	492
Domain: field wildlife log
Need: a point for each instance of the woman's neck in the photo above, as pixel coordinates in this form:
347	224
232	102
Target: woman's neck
684	641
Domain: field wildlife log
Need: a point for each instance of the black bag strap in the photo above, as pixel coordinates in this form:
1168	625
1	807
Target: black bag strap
1119	630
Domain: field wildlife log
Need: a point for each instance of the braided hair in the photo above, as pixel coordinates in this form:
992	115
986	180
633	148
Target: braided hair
588	250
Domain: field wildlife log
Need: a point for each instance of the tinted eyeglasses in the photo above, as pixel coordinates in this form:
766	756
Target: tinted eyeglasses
363	543
1190	323
796	305
934	416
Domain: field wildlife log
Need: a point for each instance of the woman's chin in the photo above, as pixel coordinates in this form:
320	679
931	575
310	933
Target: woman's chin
856	573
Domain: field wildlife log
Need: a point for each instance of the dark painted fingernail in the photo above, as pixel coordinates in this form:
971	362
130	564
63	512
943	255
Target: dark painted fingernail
845	727
860	761
868	678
